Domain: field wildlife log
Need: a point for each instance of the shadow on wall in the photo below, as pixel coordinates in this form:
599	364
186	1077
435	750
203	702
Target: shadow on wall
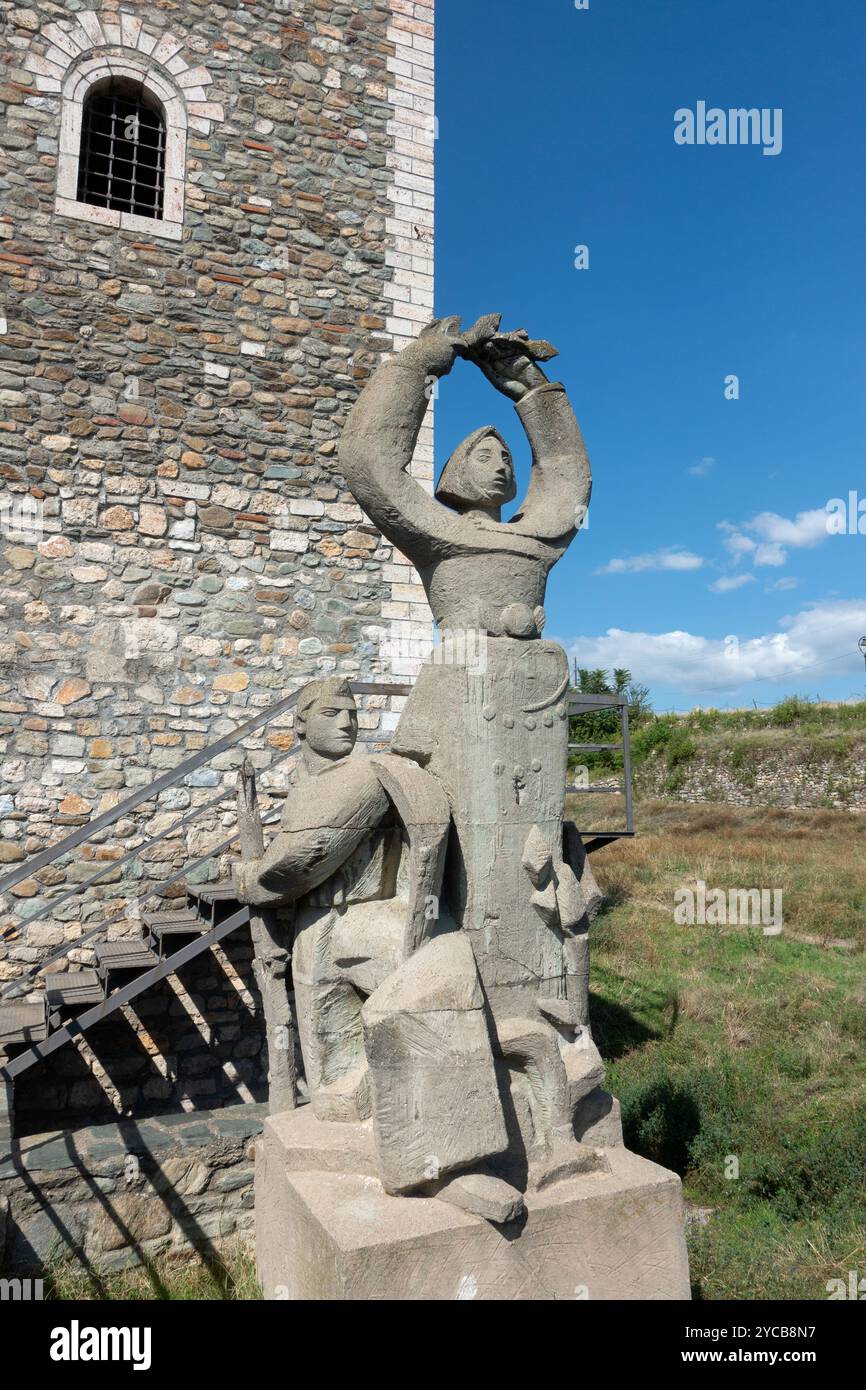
194	1040
112	1197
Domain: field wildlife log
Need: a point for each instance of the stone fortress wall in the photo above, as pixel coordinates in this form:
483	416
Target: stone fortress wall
771	777
178	549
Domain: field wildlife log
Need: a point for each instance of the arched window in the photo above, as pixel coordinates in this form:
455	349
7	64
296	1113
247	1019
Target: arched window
123	129
128	98
122	157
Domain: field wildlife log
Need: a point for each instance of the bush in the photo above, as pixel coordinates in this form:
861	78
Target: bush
652	736
681	748
791	710
691	1120
811	1174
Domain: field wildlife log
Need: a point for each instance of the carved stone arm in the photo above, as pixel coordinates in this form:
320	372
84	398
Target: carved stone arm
322	825
561	482
379	441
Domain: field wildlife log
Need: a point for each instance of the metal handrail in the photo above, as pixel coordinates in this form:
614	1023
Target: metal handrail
14	986
82	834
112	1002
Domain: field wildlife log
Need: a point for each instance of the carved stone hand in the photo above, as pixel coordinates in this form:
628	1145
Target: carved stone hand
509	362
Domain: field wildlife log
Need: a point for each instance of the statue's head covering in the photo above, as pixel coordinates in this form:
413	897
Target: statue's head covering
456	487
334	689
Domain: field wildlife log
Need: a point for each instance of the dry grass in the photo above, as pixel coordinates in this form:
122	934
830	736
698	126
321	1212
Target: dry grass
723	1041
178	1278
816	858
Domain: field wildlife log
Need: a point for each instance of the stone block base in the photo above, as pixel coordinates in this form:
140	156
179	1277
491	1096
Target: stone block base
326	1233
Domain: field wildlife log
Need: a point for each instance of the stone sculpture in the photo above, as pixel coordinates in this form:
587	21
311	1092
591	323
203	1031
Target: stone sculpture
360	853
440	955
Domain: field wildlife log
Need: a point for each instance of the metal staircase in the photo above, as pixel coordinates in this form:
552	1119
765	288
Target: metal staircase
125	969
171	935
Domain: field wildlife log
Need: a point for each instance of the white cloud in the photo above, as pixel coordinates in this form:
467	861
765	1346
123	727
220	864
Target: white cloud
781	585
770	554
807	530
701	469
731	581
812	640
654	560
771	533
735	542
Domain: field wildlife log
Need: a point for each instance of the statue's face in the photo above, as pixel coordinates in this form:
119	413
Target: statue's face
489	471
331	728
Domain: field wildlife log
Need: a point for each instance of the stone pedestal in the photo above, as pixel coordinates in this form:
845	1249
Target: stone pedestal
326	1229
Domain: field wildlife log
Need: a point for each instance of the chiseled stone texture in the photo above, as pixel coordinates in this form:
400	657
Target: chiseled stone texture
339	1236
112	1196
171	409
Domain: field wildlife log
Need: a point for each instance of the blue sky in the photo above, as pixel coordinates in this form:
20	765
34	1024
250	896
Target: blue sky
556	129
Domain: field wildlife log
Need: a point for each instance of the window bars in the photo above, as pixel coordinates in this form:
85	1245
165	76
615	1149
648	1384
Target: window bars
122	160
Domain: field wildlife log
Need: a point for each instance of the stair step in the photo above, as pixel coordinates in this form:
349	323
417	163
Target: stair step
190	924
23	1023
175	909
68	988
214	892
125	955
175	916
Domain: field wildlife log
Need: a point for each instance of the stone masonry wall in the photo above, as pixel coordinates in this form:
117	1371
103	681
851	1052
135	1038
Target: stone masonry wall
111	1197
178	549
767	778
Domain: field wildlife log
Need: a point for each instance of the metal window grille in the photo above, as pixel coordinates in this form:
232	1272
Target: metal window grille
122	161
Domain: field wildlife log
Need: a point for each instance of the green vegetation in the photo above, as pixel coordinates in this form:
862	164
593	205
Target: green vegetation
603	725
178	1278
725	1044
808	731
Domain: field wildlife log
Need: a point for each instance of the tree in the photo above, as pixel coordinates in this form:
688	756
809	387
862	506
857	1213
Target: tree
603	725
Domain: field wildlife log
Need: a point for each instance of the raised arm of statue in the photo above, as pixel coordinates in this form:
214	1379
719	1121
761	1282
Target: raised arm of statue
557	499
379	440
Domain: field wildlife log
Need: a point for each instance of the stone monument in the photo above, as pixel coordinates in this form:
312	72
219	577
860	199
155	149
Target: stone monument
458	1142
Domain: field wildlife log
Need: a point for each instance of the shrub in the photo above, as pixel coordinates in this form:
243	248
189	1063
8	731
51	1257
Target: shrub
791	710
681	748
652	736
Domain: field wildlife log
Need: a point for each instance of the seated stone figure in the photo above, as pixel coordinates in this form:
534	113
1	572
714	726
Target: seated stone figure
389	1005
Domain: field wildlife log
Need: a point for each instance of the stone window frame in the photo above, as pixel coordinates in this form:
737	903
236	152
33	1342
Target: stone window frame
80	78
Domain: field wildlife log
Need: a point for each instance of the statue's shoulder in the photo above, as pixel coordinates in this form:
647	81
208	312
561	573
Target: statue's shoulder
344	795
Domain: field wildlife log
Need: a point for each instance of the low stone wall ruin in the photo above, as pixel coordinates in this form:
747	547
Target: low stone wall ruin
109	1197
769	777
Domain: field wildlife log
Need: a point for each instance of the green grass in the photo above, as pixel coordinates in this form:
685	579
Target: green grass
230	1276
808	732
724	1044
